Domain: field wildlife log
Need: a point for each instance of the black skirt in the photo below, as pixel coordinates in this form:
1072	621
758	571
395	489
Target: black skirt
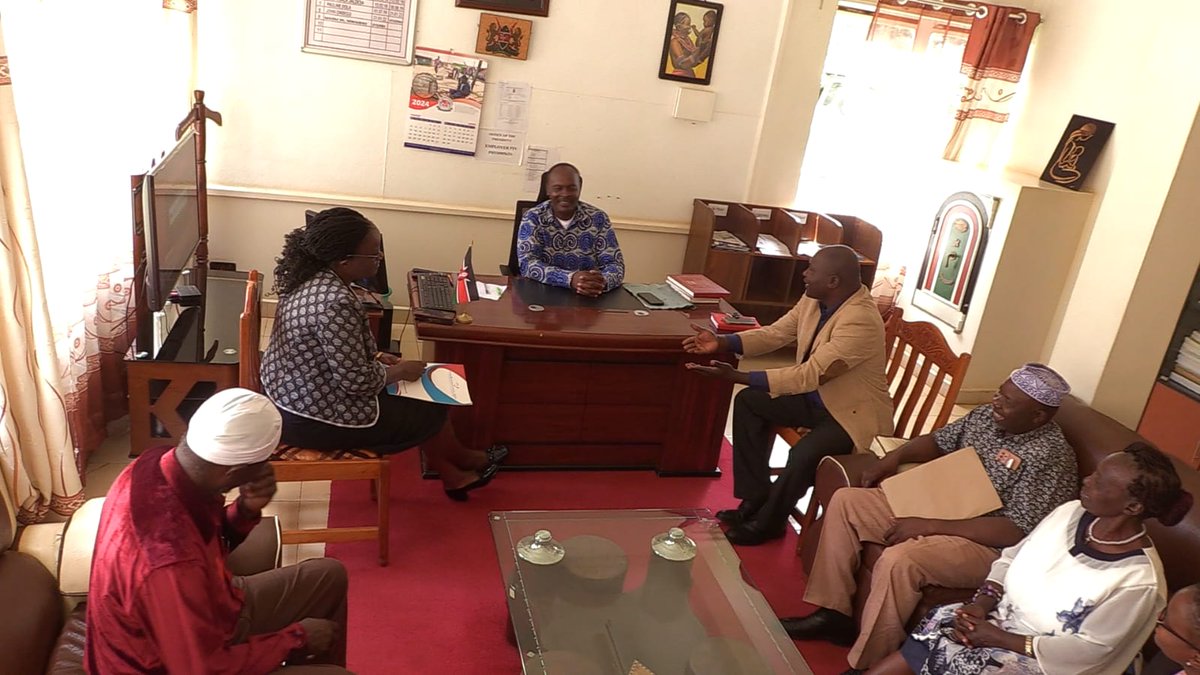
402	424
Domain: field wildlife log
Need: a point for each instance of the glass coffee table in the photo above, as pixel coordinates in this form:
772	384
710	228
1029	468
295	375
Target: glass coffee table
593	597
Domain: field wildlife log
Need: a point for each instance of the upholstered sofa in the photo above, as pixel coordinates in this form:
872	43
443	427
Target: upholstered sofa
44	573
1092	435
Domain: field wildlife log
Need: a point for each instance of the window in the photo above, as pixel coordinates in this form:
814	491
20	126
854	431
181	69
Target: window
882	121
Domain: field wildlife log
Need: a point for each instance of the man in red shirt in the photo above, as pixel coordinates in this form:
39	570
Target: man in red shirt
161	599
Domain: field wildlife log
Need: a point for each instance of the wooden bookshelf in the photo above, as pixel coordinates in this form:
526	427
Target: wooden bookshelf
762	285
1171	419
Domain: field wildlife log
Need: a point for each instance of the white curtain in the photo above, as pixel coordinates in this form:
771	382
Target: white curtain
99	89
36	453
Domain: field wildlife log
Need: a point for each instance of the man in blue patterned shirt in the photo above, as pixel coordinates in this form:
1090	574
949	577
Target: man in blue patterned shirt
569	243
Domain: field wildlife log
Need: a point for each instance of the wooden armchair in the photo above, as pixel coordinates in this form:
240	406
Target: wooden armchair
920	367
293	463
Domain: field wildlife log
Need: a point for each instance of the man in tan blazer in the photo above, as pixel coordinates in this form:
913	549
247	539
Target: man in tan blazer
837	390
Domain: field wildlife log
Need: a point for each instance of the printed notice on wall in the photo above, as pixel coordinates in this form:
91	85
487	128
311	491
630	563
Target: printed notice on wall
538	158
375	30
445	101
514	106
500	147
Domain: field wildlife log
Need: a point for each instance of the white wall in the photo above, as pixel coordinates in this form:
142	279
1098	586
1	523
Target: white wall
310	131
305	122
247	227
1158	295
1104	59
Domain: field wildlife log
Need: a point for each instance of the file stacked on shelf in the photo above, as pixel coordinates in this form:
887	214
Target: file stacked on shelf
768	245
808	248
724	240
732	323
1187	364
696	288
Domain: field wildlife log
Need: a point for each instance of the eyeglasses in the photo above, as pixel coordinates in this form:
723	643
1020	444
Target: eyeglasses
375	256
1162	623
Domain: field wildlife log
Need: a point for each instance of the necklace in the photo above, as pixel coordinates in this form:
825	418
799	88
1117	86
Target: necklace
1092	537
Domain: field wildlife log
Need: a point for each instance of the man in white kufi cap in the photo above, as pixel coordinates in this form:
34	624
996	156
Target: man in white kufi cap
1029	464
162	598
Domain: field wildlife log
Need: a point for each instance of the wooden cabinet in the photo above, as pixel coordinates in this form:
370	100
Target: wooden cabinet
1171	419
762	285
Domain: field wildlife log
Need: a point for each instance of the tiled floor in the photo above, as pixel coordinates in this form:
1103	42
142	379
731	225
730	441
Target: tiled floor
306	505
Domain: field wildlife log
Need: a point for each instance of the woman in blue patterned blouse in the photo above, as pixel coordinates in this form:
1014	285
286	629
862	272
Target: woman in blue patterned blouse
321	368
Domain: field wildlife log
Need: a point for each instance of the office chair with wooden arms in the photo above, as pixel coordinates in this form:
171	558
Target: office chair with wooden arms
919	364
293	463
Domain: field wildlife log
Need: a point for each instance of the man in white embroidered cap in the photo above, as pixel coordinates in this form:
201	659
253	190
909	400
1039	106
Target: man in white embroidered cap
161	598
1028	462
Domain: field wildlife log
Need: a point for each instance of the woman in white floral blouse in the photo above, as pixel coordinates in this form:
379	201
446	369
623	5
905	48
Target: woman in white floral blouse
1079	595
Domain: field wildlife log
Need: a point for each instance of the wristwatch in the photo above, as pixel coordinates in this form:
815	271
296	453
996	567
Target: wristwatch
1029	646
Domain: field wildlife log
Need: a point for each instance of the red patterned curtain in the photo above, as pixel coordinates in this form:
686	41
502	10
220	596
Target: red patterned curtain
916	27
95	347
992	63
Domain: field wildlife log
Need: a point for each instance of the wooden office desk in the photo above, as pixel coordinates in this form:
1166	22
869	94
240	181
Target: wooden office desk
584	383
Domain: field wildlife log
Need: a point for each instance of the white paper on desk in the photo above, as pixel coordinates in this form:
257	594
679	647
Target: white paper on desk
489	291
538	158
513	111
444	383
500	147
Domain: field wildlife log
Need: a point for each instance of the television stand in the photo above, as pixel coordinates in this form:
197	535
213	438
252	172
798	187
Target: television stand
198	358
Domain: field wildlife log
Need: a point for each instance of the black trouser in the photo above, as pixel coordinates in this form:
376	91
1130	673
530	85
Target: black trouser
755	416
402	423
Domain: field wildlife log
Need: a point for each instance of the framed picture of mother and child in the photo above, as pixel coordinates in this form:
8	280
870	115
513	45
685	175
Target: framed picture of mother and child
691	41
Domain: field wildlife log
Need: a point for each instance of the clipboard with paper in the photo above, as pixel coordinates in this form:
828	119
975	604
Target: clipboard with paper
951	487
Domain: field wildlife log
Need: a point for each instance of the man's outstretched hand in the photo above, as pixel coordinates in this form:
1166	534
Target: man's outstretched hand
703	342
719	369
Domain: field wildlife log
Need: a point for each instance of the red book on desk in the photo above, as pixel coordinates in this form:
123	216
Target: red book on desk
721	322
696	286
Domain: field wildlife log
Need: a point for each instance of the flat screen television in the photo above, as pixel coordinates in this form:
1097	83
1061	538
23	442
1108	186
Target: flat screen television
172	220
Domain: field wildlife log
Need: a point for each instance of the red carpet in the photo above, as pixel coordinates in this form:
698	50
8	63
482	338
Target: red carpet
439	606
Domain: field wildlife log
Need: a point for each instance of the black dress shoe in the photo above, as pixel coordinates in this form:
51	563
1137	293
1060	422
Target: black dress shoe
753	534
485	477
744	512
823	624
497	454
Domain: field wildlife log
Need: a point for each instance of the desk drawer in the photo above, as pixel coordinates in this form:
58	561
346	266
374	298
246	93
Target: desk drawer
631	384
625	424
537	422
544	382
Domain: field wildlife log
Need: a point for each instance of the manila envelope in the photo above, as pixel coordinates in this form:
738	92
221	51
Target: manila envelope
951	487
